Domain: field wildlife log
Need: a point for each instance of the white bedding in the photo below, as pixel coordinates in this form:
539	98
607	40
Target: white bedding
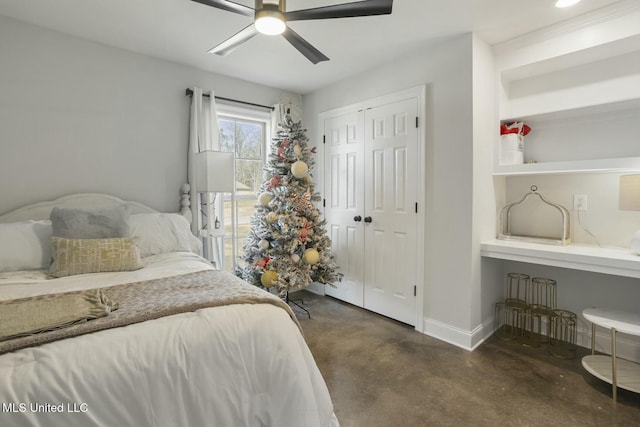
20	284
236	365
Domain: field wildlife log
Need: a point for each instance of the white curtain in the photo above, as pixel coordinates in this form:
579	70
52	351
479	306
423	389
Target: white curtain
203	136
277	116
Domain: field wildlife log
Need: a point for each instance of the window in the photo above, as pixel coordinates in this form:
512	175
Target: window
244	132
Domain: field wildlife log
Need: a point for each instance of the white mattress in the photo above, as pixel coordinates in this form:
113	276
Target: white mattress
237	365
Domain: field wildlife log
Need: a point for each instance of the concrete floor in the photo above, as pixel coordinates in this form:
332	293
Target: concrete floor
383	373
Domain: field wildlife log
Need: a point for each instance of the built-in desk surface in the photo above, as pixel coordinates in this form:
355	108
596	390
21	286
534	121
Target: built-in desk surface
615	261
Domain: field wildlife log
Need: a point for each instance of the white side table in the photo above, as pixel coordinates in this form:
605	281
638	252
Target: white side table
617	372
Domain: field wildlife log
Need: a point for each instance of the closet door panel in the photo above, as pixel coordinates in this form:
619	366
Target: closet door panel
344	196
391	166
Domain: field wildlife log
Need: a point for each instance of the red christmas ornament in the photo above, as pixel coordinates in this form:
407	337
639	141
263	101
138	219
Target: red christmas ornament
281	148
262	263
273	182
304	231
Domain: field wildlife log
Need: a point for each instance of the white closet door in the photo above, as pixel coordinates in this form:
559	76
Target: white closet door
344	201
371	188
391	190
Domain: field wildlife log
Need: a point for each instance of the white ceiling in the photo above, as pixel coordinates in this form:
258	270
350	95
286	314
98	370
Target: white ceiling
182	31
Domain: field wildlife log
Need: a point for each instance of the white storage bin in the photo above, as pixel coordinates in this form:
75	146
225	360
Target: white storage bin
511	149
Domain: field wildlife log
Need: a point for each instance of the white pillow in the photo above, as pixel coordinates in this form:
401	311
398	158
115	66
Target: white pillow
157	233
25	245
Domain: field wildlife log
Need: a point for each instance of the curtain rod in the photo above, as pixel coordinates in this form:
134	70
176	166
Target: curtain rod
189	92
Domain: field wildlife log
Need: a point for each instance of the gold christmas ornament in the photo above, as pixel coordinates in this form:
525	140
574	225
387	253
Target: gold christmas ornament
295	258
265	198
299	169
311	256
297	150
272	217
263	244
268	277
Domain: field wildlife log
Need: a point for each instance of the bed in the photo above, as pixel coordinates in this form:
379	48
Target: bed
237	360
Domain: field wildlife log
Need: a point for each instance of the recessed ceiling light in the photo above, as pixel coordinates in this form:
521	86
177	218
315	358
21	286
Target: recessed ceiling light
566	3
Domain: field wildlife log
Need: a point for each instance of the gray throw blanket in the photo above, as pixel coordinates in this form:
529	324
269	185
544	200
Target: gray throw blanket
28	316
152	299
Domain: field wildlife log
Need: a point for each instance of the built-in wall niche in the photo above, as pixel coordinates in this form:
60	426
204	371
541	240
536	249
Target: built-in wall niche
590	139
603	224
533	89
585	117
577	85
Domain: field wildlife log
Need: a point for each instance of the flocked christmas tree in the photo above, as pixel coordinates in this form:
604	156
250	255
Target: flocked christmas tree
287	246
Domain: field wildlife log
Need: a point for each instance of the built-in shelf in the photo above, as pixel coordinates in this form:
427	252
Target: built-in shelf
581	97
625	164
591	111
615	261
584	111
522	68
602	95
597	138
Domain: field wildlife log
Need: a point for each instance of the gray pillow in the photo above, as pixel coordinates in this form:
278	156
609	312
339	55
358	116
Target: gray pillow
107	223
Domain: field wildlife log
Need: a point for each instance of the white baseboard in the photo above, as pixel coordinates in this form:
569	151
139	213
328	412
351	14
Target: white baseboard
627	346
467	340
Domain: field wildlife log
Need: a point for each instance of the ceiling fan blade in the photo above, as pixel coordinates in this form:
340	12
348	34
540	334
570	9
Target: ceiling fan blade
228	6
346	10
305	48
235	40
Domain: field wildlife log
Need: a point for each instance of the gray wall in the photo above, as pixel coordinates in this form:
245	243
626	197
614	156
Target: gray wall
77	116
451	259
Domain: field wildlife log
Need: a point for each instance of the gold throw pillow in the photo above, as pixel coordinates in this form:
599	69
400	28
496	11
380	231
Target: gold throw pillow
80	256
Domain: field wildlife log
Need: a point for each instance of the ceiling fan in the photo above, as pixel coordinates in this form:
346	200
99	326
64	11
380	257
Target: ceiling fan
271	19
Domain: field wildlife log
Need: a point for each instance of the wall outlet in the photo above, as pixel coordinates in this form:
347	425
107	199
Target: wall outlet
579	202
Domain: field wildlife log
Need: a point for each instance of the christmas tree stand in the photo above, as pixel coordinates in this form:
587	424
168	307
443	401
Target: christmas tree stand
295	302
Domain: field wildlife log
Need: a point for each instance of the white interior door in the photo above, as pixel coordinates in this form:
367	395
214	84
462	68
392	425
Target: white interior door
371	189
344	201
391	190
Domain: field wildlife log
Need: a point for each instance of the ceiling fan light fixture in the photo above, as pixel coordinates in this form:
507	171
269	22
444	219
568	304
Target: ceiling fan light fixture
270	20
271	17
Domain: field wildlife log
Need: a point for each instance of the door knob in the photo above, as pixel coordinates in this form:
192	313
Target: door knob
368	219
357	218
